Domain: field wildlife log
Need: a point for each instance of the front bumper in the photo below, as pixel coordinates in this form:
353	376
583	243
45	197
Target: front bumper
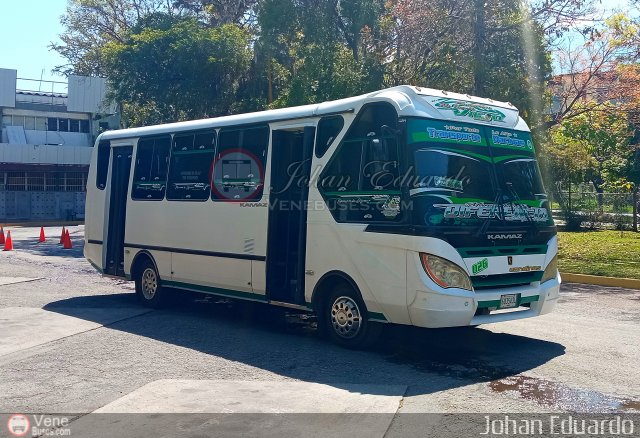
458	307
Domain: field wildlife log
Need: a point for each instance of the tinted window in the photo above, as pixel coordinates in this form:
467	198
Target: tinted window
374	120
360	182
63	125
191	166
239	164
150	175
328	129
102	165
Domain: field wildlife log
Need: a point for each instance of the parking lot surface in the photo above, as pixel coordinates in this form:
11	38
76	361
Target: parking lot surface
75	342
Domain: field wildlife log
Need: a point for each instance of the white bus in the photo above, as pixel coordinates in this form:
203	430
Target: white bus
406	205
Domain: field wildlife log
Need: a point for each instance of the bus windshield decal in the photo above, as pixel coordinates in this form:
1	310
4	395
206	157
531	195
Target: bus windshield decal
423	130
472	110
464	174
481	210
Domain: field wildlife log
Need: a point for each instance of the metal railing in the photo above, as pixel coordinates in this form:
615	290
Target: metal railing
582	207
35	181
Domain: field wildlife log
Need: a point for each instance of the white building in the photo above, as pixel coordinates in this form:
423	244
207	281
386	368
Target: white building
48	131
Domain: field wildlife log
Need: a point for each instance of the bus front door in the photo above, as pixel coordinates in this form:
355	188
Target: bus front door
287	231
120	169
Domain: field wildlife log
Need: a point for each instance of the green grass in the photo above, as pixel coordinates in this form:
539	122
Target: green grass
607	253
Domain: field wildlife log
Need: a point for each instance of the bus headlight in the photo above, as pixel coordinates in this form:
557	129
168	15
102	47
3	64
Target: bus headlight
551	271
445	273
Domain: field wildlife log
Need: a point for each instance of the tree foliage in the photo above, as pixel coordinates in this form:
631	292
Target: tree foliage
304	51
594	145
171	68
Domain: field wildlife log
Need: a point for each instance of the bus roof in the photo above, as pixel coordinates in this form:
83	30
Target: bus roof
408	100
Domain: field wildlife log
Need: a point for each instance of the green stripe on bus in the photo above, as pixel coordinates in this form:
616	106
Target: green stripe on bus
363	193
377	316
496	303
216	291
96	267
463	152
243	295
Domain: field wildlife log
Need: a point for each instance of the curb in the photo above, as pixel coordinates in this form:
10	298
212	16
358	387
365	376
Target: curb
629	283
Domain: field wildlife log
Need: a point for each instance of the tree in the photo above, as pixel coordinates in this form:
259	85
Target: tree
90	24
600	69
170	68
317	50
594	145
487	48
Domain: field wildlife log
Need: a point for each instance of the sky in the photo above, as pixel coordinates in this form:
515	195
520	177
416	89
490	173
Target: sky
27	28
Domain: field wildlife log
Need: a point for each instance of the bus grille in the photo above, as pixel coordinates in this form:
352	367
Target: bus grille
505	280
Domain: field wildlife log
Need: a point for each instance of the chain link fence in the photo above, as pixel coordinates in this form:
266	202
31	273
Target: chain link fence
581	207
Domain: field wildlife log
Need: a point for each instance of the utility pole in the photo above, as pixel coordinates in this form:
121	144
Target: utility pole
635	209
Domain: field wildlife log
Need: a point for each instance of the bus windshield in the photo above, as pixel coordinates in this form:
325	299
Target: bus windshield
468	175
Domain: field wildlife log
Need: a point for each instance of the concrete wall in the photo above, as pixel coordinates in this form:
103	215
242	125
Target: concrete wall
8	80
87	95
42	154
41	205
34	137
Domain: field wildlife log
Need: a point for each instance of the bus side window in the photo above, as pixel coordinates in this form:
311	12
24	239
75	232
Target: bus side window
102	165
380	164
238	173
191	166
360	182
150	174
328	129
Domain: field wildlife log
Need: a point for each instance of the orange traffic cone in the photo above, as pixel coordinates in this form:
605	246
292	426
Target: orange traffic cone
1	236
62	235
42	237
67	241
8	243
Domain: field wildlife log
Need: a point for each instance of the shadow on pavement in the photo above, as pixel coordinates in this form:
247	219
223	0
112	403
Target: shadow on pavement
287	344
51	247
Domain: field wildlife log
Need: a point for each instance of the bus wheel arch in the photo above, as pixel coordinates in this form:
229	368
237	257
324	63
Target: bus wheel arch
342	313
149	289
138	260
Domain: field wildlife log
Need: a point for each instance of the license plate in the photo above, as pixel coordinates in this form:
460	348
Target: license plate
507	301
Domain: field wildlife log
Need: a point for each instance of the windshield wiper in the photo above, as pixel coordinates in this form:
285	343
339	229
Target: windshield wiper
497	202
515	197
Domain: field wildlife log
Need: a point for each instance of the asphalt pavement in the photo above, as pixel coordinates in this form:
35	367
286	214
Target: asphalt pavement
74	342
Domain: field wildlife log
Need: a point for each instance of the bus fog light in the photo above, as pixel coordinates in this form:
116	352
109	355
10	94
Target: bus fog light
551	272
445	273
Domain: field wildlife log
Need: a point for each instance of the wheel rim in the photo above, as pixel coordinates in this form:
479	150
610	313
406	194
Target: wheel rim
149	283
346	319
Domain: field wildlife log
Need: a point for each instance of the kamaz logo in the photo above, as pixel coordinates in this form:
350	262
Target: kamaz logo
504	236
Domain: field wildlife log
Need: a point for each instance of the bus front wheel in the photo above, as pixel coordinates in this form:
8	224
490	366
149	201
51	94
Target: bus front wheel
148	288
343	318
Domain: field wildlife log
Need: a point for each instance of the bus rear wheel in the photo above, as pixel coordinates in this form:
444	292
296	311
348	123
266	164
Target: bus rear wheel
343	318
148	287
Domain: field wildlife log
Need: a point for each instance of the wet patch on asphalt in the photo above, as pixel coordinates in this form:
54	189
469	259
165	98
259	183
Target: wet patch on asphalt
556	395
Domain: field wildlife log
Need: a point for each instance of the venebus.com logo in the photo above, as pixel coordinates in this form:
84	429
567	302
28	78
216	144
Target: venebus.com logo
20	425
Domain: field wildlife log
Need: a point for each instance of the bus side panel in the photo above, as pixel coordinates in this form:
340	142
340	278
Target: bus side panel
94	216
162	260
211	243
373	261
258	276
219	272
